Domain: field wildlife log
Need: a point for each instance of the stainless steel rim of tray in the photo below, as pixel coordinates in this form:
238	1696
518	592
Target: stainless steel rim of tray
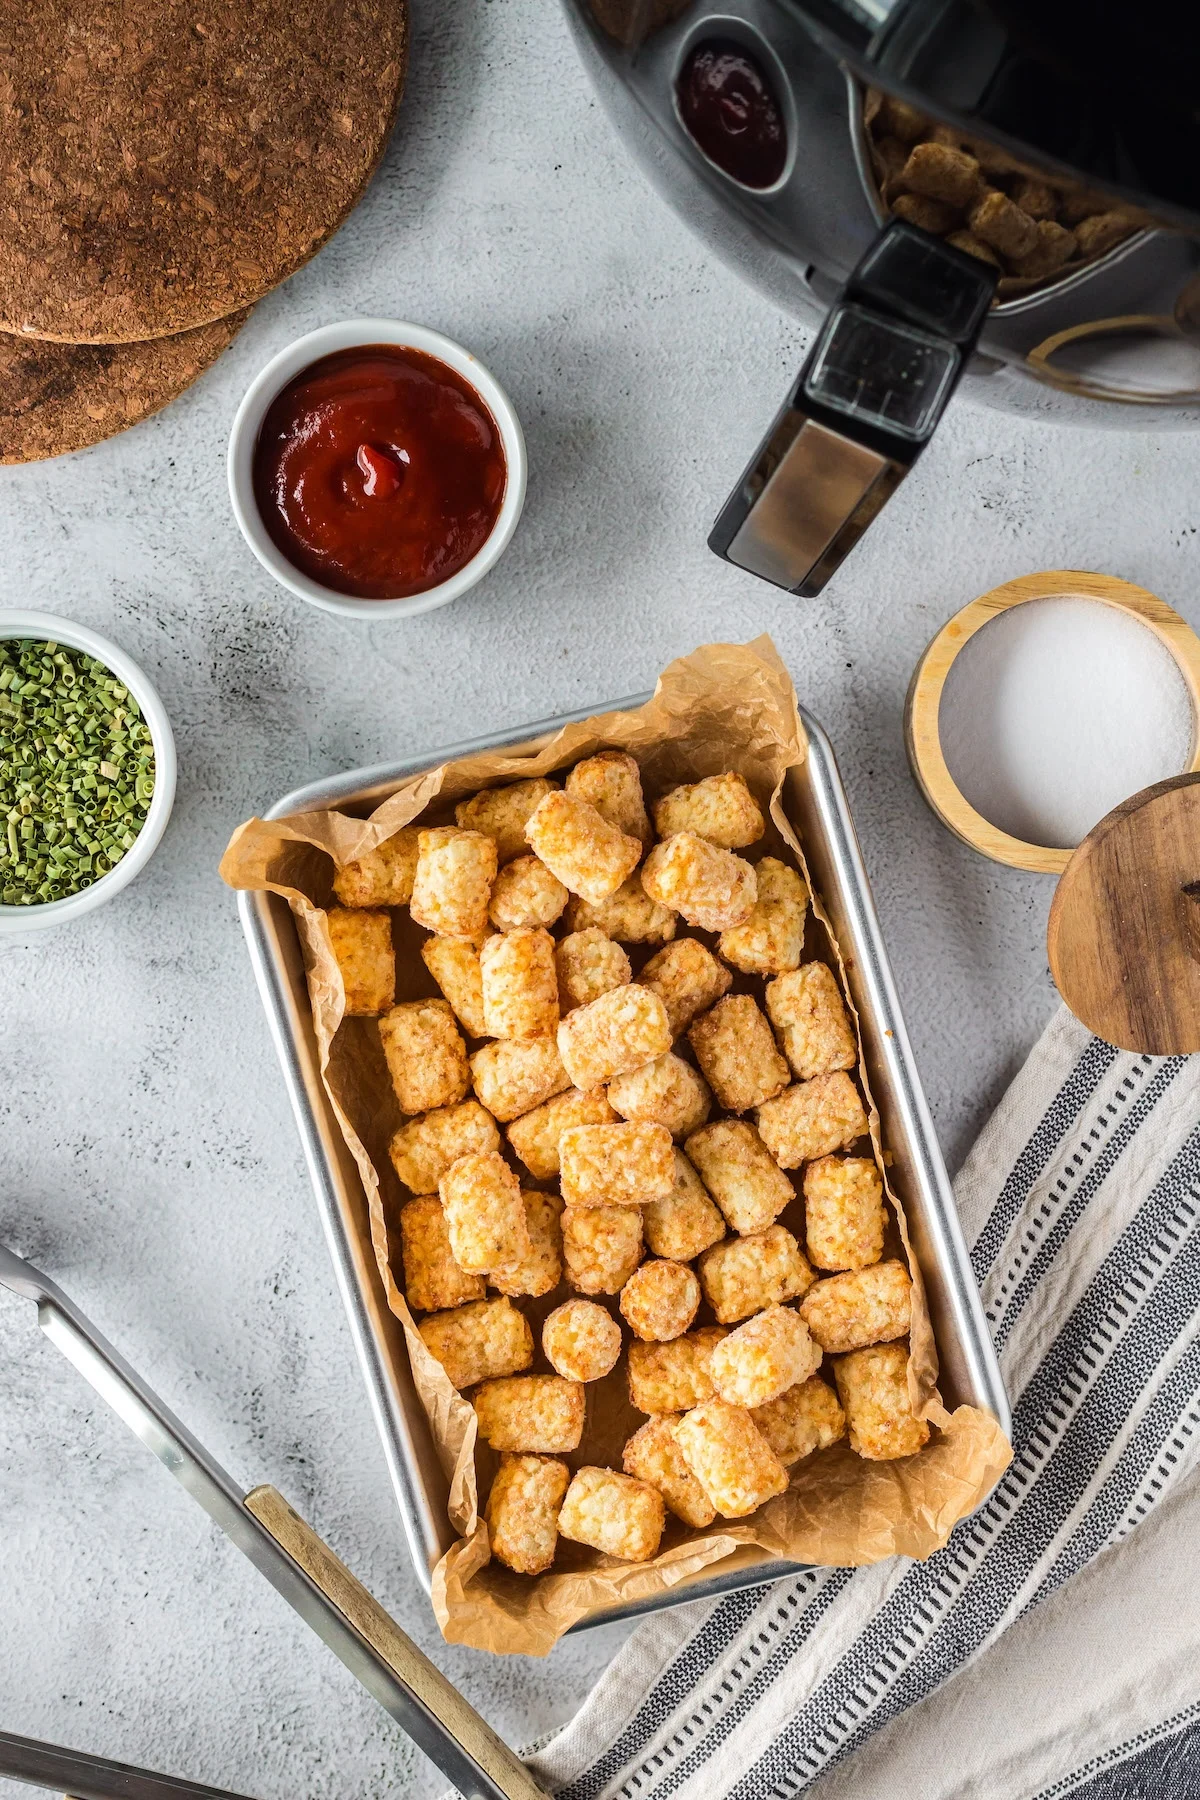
816	801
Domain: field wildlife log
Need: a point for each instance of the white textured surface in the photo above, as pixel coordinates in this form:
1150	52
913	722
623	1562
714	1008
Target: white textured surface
149	1158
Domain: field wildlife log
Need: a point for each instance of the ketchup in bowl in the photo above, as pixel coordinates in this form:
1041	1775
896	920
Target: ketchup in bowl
379	472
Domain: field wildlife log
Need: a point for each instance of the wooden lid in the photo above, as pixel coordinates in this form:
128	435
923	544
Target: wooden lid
1124	932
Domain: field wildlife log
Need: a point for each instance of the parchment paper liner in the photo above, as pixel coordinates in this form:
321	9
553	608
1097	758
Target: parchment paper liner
726	706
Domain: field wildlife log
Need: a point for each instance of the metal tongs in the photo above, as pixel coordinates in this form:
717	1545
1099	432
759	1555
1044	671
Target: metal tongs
297	1563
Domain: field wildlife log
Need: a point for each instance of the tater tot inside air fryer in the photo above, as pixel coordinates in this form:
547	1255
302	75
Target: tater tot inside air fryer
742	1275
764	1357
581	1340
503	813
688	979
590	857
526	893
866	1306
478	1342
675	1375
659	1301
612	783
423	1150
805	1418
687	1221
620	1031
811	1119
721	808
362	948
481	1198
844	1217
535	1414
425	1054
514	1075
433	1280
602	1246
629	915
522	1511
772	938
807	1010
383	877
653	1455
454	965
740	1173
616	1165
873	1388
536	1134
520	987
731	1460
736	1050
453	882
589	963
541	1271
615	1514
711	888
667	1091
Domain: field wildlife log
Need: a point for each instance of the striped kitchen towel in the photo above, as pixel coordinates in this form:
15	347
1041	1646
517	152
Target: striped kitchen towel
1081	1202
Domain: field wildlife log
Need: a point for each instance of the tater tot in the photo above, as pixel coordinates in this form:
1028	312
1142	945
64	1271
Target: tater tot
361	942
453	882
433	1280
522	1512
687	1221
589	963
1055	246
807	1010
612	783
672	1376
805	1418
478	1342
525	893
653	1455
731	1460
590	857
872	1385
811	1119
532	1414
742	1275
602	1246
582	1341
865	1306
844	1217
764	1357
383	877
481	1198
711	888
423	1149
772	938
541	1271
930	215
454	965
426	1055
941	173
720	808
1102	232
535	1135
503	813
659	1301
513	1075
688	979
996	220
520	987
616	1165
616	1514
629	914
736	1050
740	1173
620	1031
667	1091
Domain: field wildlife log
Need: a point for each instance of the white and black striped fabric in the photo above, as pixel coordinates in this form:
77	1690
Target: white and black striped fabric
1081	1202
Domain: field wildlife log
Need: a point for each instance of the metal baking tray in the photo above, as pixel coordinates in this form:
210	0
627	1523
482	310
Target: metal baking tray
815	801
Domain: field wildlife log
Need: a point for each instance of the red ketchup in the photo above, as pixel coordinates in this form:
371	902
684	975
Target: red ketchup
379	472
731	110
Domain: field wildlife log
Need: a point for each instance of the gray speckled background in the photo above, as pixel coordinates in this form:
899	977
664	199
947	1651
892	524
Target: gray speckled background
149	1158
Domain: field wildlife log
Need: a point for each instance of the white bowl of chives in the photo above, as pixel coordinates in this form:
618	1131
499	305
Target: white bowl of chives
46	628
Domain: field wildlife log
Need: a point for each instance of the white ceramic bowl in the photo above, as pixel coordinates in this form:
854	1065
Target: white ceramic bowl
17	921
326	342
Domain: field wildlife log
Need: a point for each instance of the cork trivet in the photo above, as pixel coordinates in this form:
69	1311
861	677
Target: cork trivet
59	397
166	162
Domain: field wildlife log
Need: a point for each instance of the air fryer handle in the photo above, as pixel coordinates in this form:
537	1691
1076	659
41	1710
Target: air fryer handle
874	386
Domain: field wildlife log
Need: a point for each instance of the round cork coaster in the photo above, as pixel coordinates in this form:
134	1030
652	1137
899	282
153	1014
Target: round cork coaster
59	397
167	162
